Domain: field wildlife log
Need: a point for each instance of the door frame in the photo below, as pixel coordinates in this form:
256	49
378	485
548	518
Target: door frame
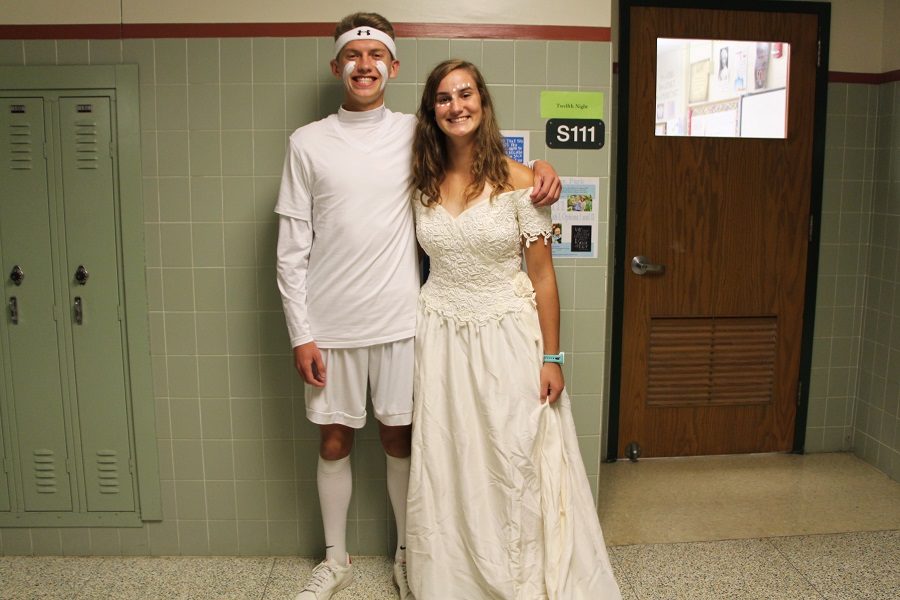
823	11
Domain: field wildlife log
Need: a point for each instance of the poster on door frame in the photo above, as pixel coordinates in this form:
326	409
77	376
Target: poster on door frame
576	218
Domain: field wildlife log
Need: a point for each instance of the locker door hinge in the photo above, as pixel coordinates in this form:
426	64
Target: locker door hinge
56	313
799	392
7	465
131	466
70	466
818	53
121	312
812	219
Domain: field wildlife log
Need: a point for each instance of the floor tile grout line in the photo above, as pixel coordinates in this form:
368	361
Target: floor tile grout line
793	565
620	576
632	588
265	590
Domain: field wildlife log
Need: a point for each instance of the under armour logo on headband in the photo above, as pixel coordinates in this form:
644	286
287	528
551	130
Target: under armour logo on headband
371	33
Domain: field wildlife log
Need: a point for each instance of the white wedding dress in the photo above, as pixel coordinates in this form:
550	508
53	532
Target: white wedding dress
499	504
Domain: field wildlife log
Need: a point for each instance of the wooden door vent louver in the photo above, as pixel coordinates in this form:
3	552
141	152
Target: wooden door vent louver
711	361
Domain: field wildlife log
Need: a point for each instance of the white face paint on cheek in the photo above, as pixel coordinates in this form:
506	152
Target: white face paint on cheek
348	70
351	66
383	70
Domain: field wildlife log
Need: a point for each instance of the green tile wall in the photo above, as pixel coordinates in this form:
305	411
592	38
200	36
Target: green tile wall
840	294
237	456
855	383
877	419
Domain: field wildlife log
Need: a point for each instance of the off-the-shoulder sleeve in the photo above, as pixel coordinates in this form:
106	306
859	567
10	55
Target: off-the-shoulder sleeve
534	222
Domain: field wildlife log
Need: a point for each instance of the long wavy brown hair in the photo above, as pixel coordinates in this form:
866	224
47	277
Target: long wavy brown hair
430	144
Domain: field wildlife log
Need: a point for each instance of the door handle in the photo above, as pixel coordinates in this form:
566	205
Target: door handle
78	310
641	265
14	310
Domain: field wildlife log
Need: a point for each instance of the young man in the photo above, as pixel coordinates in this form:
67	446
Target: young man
347	272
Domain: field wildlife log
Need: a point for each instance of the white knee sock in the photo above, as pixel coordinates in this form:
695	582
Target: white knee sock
335	480
398	485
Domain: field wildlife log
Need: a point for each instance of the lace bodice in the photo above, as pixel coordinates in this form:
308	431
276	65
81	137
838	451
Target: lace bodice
476	257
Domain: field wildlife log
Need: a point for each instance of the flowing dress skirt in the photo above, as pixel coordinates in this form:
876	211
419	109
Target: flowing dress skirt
499	503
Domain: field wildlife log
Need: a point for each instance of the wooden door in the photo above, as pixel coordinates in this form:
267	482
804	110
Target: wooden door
711	347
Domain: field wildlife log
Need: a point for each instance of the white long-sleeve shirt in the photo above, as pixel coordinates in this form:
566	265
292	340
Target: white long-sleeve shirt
346	250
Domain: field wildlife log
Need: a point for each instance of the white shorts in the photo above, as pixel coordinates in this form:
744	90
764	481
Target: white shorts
386	368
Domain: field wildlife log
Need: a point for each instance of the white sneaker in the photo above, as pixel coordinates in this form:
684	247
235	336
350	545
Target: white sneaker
327	578
401	581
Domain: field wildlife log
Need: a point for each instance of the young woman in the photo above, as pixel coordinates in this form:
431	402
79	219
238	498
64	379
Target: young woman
499	504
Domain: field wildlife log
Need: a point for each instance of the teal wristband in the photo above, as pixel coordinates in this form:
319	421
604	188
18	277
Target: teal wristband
555	358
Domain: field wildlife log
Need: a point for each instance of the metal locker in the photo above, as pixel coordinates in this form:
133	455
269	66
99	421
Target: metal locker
77	419
4	466
32	329
94	297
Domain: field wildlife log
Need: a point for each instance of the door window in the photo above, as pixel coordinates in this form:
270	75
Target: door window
721	88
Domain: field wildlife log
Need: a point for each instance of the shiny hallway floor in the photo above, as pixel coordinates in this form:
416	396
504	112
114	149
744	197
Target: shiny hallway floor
753	527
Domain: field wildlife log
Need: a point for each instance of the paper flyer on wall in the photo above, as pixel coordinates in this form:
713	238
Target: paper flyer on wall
576	218
516	144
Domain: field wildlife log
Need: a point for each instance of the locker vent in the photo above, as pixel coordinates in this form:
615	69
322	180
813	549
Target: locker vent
21	147
17	109
108	471
86	155
45	471
711	361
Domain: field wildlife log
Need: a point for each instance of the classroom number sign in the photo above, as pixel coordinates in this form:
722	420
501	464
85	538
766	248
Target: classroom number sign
575	134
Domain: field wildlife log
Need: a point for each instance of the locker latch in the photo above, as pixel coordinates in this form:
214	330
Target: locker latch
81	275
17	275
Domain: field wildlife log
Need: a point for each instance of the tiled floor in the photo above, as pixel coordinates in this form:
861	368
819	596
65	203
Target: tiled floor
840	566
718	495
749	496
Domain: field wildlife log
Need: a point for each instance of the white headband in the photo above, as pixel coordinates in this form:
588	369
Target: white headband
365	33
